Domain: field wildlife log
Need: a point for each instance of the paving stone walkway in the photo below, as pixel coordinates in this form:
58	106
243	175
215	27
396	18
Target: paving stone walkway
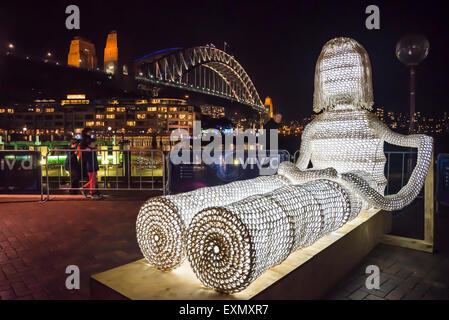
39	240
404	273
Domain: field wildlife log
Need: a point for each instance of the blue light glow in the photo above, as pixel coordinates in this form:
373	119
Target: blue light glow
156	52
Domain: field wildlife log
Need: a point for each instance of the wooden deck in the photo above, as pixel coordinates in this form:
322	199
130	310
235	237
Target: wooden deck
308	273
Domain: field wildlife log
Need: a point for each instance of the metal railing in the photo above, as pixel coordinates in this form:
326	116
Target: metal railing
121	170
407	160
407	163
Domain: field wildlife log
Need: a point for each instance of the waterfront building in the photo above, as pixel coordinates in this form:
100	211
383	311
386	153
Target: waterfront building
137	120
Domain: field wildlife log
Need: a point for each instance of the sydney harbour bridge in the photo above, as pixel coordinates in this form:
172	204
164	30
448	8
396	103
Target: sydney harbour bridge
203	69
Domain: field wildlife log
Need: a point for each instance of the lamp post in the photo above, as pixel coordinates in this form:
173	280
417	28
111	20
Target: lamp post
411	50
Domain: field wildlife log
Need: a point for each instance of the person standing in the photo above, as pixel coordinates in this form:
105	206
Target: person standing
91	162
86	135
73	167
272	124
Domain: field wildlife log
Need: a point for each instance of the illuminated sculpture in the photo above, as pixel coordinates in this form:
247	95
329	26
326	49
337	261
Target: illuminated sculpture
231	245
162	221
347	137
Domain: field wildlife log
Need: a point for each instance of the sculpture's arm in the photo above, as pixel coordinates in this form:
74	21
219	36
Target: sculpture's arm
299	173
408	193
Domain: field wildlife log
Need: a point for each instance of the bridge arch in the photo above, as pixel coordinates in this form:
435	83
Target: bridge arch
203	69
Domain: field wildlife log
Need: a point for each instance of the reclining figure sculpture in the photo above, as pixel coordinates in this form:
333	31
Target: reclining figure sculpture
233	233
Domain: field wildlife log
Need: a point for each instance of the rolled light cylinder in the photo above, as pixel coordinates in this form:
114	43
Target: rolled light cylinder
230	246
162	221
298	176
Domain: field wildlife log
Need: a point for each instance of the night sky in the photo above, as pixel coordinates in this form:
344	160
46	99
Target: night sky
276	42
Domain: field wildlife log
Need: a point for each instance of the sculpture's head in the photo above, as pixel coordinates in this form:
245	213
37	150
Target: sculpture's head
343	77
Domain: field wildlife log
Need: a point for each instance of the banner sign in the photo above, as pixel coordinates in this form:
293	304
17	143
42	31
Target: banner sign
187	177
20	172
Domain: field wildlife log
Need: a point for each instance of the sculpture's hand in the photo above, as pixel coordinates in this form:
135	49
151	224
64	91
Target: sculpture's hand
296	175
329	173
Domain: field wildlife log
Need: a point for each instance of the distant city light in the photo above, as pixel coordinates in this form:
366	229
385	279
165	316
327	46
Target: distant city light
24	129
11	46
48	54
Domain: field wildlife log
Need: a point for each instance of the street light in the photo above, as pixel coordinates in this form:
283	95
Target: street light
411	50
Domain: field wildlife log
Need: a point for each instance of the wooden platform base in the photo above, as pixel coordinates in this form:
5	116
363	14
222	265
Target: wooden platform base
308	273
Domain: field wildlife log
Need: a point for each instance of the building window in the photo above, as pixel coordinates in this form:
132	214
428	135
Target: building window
173	109
2	110
99	116
110	116
141	116
163	109
49	109
121	109
110	109
151	109
131	123
99	124
10	110
89	123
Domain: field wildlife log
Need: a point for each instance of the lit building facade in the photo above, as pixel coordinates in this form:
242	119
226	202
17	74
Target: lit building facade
132	119
82	54
212	111
111	53
269	104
